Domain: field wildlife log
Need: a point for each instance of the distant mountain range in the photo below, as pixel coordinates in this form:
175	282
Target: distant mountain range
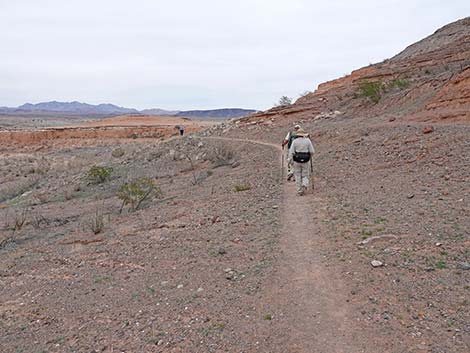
76	108
84	109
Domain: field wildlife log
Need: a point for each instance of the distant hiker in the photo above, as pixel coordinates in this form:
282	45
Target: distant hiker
181	128
291	136
300	153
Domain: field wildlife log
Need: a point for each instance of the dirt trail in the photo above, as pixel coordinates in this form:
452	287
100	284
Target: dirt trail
313	296
312	300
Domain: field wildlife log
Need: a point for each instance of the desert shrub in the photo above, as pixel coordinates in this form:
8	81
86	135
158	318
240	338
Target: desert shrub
42	166
68	194
11	190
196	176
98	175
154	155
96	224
20	219
284	101
70	191
398	83
242	187
38	220
135	192
372	90
41	197
441	264
222	155
15	222
5	220
118	152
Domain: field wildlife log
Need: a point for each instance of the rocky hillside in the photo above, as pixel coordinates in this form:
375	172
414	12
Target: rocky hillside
391	176
215	114
428	81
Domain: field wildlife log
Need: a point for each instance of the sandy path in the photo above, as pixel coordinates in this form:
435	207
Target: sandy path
314	298
311	298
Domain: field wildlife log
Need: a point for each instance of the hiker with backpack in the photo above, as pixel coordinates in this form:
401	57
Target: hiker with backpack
300	154
290	137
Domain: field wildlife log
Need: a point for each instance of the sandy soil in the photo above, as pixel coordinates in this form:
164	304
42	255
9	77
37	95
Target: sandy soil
98	131
393	192
229	259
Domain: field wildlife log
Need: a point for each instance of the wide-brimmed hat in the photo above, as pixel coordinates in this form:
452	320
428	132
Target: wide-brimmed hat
297	126
301	132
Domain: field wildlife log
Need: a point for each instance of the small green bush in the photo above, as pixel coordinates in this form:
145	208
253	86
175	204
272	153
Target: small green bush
366	233
398	83
98	175
242	187
134	193
441	264
372	90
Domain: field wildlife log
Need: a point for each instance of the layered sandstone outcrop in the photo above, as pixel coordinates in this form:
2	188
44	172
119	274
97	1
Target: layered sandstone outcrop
428	81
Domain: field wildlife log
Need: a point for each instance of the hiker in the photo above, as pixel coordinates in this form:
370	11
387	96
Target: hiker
291	136
300	154
181	128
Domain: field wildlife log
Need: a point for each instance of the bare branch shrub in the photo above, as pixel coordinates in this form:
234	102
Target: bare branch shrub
20	219
6	240
284	101
15	222
96	225
197	176
41	197
135	192
118	152
68	194
6	220
42	166
38	220
222	155
11	190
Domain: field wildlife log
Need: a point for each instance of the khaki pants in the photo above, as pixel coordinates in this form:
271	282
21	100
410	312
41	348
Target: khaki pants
302	176
290	170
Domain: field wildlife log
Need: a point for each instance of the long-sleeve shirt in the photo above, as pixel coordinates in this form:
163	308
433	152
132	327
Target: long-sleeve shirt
300	144
286	139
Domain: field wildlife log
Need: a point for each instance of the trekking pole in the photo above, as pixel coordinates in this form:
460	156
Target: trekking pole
282	165
311	174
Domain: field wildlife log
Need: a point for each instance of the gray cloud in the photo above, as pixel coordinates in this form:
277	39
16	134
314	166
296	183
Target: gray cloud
199	54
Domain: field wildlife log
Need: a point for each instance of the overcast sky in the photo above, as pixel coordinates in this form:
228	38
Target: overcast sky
199	54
